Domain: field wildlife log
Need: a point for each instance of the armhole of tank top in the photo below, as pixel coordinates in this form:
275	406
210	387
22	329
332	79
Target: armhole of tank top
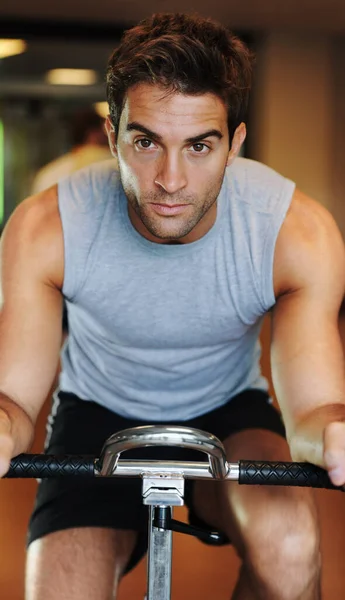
71	283
274	225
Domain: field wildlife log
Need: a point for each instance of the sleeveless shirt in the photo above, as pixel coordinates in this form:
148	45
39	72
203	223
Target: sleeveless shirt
167	332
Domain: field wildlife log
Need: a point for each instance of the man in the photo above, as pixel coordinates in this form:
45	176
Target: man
89	145
168	269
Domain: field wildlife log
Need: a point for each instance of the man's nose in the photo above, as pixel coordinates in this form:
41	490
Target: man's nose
171	176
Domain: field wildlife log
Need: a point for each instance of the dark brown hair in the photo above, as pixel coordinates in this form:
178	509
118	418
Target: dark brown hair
182	53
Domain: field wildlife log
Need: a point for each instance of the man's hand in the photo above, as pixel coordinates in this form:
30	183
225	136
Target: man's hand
6	443
16	432
319	438
334	452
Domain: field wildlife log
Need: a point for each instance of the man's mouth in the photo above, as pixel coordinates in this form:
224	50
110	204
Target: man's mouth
168	209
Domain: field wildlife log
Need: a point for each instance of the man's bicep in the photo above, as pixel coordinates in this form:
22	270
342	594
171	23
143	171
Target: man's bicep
31	315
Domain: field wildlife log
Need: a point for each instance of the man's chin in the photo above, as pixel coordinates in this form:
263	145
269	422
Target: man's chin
165	232
166	236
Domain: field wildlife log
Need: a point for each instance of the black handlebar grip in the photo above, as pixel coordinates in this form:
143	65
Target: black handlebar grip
284	473
41	466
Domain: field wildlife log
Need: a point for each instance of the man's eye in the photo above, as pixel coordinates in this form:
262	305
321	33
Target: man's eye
144	143
200	148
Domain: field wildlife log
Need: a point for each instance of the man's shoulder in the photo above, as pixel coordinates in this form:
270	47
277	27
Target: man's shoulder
253	171
37	213
308	220
97	173
89	191
91	164
34	230
309	244
258	186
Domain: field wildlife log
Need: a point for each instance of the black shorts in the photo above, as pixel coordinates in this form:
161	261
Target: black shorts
80	427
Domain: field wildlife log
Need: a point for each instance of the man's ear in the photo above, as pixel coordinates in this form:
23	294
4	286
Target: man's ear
236	144
109	127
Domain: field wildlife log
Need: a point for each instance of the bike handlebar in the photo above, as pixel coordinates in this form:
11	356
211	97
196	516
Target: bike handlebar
43	466
109	465
164	435
247	472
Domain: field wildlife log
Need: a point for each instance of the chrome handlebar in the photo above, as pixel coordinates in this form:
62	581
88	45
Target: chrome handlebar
108	464
162	435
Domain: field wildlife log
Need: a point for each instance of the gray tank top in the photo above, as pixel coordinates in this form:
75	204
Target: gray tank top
167	332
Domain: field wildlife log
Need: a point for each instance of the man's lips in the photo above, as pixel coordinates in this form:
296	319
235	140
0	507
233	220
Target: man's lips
168	209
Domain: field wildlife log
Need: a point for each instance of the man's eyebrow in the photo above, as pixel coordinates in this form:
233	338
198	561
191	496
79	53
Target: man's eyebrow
135	126
203	136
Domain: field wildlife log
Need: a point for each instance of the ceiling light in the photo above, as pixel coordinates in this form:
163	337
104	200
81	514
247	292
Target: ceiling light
102	109
11	47
71	77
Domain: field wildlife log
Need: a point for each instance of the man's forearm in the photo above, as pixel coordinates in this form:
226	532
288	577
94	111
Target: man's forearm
320	415
306	433
15	422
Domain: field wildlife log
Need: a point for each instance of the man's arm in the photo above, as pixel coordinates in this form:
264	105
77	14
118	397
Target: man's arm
30	319
306	352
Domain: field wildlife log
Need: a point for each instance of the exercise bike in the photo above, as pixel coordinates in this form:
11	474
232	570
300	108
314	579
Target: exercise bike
163	483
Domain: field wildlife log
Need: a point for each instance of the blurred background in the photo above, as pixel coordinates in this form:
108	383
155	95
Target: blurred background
52	63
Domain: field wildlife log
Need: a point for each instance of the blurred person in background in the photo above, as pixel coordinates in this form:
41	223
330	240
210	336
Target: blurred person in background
89	145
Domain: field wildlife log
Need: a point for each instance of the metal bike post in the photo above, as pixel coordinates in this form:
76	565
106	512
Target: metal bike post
159	561
160	493
163	485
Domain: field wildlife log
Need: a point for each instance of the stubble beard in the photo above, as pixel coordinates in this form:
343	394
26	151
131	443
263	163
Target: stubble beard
174	227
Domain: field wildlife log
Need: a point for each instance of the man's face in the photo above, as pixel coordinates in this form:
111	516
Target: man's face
172	152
